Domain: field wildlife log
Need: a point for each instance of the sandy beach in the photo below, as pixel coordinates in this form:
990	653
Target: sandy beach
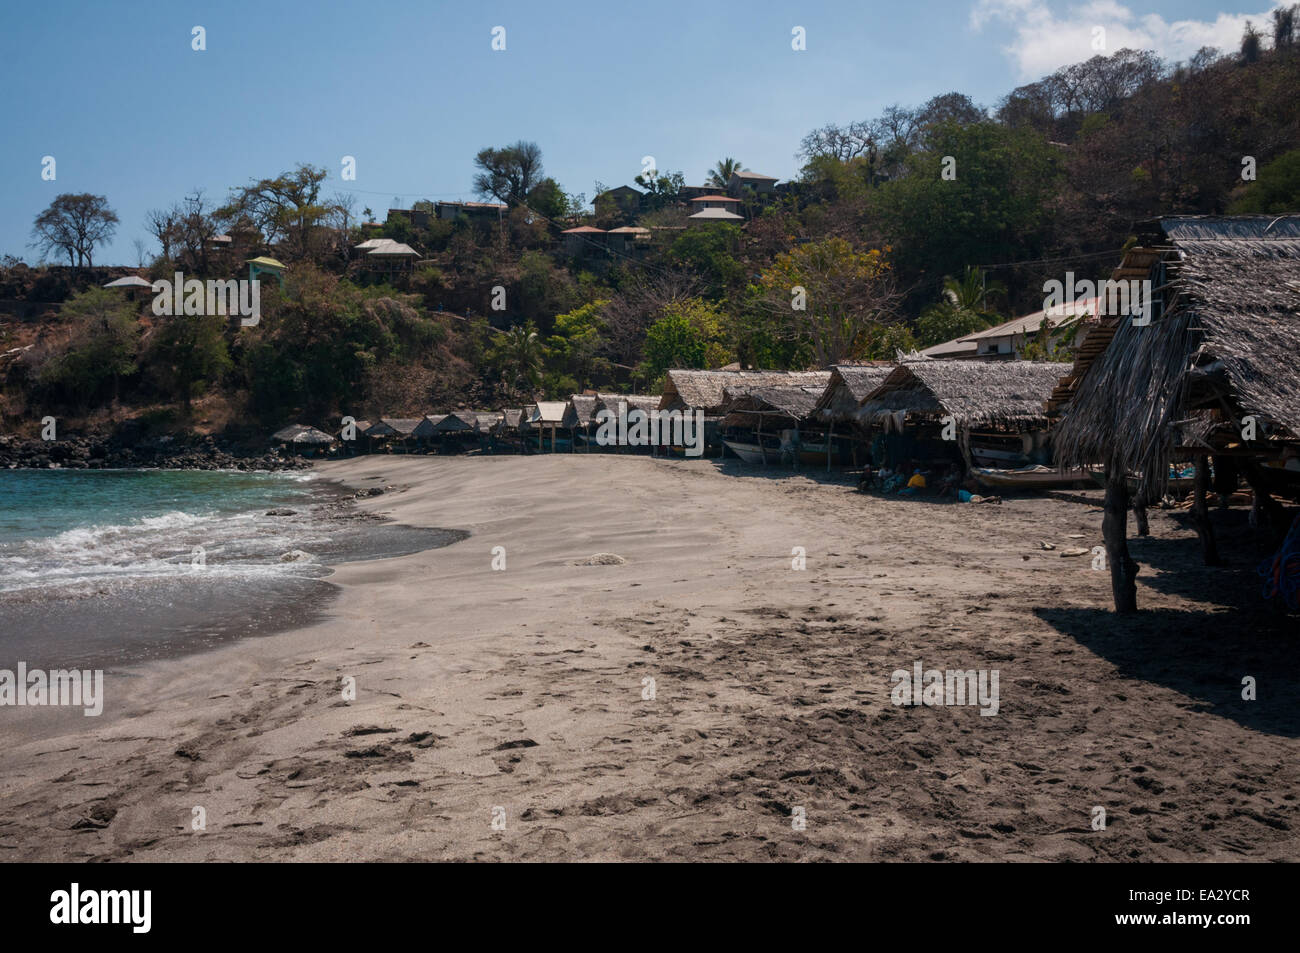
508	714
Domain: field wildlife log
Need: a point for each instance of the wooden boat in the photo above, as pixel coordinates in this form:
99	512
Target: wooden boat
1031	478
1177	485
752	452
994	457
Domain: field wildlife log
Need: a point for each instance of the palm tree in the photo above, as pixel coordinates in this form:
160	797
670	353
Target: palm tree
720	175
971	292
520	354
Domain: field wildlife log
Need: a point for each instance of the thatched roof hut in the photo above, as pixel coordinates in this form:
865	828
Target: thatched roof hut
511	419
458	421
428	426
788	403
1008	394
361	427
686	389
581	411
848	386
400	427
646	403
301	435
1223	344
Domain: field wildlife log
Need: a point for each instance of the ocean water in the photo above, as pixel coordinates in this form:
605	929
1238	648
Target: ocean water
116	566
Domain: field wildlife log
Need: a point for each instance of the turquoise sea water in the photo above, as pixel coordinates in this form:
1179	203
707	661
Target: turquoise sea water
43	503
61	528
128	565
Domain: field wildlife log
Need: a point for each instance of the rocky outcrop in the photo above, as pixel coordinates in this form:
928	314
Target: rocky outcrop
104	452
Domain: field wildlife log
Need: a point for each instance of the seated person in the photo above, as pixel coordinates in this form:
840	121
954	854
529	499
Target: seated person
915	485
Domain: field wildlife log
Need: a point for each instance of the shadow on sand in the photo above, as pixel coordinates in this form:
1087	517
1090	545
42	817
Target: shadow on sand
1202	652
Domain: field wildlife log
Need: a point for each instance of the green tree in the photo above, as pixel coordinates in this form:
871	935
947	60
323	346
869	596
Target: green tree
982	192
688	333
578	337
186	354
660	189
520	354
510	173
101	350
287	209
829	295
710	250
72	225
1276	189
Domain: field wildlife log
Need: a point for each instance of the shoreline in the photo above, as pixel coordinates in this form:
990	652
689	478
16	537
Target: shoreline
137	618
524	689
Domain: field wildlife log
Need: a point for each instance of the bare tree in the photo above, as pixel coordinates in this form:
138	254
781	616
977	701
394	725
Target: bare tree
837	142
162	225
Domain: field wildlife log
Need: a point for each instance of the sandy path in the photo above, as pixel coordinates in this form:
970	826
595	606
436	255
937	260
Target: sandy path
523	690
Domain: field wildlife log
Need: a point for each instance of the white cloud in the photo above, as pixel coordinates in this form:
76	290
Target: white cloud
1044	40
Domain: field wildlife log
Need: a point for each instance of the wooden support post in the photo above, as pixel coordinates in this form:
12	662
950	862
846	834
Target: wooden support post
1140	512
1201	512
1271	511
1114	530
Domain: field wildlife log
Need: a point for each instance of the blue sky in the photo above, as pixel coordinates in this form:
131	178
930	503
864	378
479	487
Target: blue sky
413	89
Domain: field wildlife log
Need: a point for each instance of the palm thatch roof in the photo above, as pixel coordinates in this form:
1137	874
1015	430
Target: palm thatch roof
1226	345
394	427
704	390
581	411
973	393
511	419
781	403
361	425
428	426
848	386
303	435
646	403
458	421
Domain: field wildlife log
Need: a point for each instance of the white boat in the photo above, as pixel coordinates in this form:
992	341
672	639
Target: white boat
751	452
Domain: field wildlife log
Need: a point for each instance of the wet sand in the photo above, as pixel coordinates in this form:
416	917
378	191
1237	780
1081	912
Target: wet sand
520	696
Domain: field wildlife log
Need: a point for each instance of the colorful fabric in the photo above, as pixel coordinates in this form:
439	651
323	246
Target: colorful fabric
1282	572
